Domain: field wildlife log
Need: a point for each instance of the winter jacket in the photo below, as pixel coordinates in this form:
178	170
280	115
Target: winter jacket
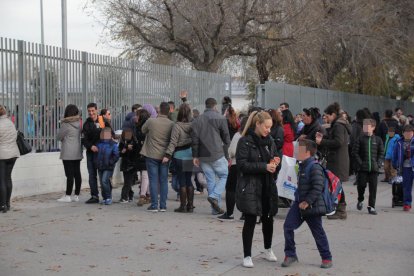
368	153
398	155
8	136
130	156
389	146
107	155
180	138
335	144
251	177
158	131
385	124
91	134
210	135
288	139
70	136
311	180
140	136
356	132
277	134
311	130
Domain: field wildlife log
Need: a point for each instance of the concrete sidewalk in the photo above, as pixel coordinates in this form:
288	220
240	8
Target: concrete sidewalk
43	237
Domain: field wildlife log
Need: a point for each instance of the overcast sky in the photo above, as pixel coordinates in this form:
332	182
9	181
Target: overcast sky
20	19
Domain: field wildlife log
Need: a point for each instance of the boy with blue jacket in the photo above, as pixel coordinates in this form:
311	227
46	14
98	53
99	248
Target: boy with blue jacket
390	140
403	162
105	160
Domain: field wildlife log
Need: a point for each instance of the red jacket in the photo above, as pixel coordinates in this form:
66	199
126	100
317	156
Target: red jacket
289	137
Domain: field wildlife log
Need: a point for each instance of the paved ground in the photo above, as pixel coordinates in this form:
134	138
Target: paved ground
43	237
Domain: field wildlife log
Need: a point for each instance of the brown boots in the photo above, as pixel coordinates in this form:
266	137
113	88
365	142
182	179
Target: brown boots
186	200
340	212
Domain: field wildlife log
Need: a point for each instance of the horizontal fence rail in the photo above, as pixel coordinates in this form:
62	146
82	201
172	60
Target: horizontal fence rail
38	81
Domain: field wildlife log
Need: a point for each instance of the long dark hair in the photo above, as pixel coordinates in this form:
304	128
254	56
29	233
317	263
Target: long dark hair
288	119
71	110
232	117
276	118
142	116
184	113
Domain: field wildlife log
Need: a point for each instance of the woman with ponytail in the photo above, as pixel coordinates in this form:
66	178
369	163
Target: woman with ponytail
256	192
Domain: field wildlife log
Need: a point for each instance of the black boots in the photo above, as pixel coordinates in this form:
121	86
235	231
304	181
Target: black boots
183	201
190	199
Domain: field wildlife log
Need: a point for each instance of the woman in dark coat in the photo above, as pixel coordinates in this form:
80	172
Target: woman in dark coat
256	192
312	125
142	116
336	146
276	131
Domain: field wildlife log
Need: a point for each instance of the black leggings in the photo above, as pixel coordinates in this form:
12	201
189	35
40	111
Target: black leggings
6	185
231	190
72	171
248	231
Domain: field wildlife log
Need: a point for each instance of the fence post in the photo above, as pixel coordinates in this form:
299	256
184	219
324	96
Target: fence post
133	82
84	84
22	106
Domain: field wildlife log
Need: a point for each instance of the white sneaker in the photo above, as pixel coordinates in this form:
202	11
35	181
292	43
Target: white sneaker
75	198
247	262
65	198
270	256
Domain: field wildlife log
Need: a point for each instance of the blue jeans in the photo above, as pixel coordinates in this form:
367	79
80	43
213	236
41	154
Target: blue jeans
293	221
219	169
92	171
407	185
106	186
158	177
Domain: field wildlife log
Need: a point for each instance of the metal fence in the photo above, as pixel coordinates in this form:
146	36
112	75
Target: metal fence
37	82
271	94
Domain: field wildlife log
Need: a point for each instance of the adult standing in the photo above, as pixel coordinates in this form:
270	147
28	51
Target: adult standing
158	131
232	121
142	116
277	132
9	152
71	151
386	123
225	103
336	146
289	129
91	135
312	125
211	141
256	194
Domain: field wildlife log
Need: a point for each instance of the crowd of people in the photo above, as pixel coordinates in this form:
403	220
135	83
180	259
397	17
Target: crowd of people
240	154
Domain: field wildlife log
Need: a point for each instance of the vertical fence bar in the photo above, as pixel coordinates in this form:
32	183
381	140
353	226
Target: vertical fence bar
84	84
21	111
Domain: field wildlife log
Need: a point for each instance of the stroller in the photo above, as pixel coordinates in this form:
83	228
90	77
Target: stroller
397	191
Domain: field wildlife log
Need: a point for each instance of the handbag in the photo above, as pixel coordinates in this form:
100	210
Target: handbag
22	144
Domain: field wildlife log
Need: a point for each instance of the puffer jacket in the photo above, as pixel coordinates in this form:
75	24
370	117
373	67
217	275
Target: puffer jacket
8	136
399	155
389	145
311	180
70	136
368	153
107	155
335	144
180	138
251	178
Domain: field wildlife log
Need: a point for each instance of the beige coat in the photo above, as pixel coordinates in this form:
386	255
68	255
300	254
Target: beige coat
70	136
158	131
180	136
8	135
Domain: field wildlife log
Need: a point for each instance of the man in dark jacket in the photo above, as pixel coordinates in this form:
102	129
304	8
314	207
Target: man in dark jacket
368	152
388	122
308	206
211	140
91	136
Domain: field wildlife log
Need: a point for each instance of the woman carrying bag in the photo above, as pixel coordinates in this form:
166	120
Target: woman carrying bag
256	192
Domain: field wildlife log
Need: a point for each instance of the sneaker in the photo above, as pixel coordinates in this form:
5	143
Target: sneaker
248	262
163	210
372	211
92	200
270	256
197	192
407	208
65	198
289	261
226	217
214	205
152	209
359	205
123	201
326	264
75	198
108	201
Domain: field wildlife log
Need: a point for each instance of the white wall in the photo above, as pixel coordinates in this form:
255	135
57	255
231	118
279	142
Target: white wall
41	173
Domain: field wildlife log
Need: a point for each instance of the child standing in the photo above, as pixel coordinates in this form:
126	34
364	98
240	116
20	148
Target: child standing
308	206
368	152
128	148
105	160
403	161
390	141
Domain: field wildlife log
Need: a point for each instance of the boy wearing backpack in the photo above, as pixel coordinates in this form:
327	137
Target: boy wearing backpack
308	206
368	153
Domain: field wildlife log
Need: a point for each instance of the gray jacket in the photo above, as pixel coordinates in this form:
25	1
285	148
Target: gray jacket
70	136
211	138
180	137
158	132
8	135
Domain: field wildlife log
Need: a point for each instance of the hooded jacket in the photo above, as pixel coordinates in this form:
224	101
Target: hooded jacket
70	136
8	136
180	138
390	145
107	155
336	146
